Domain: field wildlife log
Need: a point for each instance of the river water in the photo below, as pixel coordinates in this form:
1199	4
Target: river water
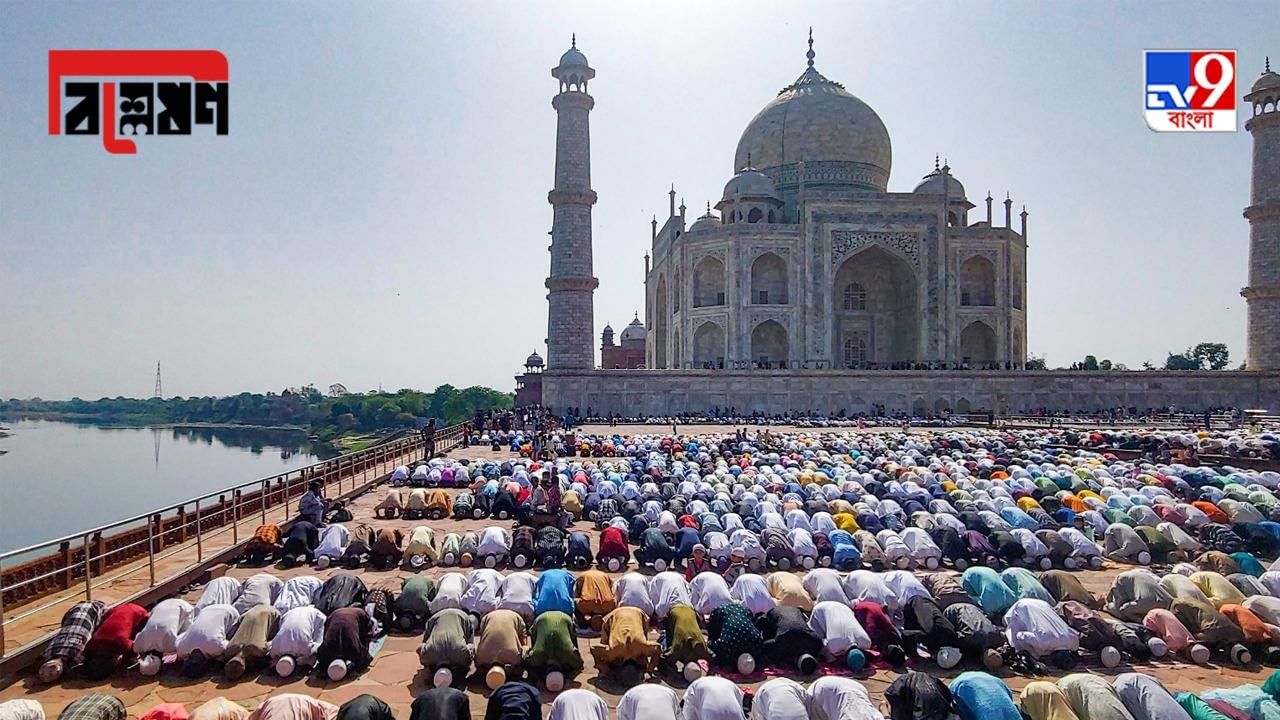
57	478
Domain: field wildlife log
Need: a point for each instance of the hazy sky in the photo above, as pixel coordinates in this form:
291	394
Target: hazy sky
378	216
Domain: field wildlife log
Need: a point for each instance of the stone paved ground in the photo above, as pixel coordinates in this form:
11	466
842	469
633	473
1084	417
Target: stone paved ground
396	676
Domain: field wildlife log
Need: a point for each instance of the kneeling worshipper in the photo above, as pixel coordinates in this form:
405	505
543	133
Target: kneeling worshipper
553	592
420	551
1042	700
979	696
753	592
1025	584
1212	629
624	646
448	646
340	591
294	706
264	544
413	604
484	587
713	698
299	544
514	700
945	589
925	626
553	650
517	594
261	589
919	696
94	706
1065	586
493	545
112	643
365	707
66	649
1034	628
683	643
440	703
780	699
593	599
1176	637
1134	593
386	549
649	701
1096	633
709	591
1217	589
788	641
449	590
391	505
1093	698
976	635
345	648
824	584
1147	699
501	645
1257	636
578	704
252	641
840	698
297	592
219	708
207	638
734	638
666	590
298	639
885	638
159	637
987	590
333	543
787	589
380	603
837	626
654	550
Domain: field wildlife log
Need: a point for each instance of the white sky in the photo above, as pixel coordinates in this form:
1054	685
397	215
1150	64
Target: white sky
378	217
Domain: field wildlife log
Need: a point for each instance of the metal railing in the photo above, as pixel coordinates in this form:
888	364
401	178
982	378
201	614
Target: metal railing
69	569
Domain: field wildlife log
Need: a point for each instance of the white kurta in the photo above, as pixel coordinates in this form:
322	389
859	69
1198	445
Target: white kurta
780	699
823	584
840	698
517	594
839	628
753	592
632	590
169	620
1034	628
297	592
300	634
333	542
649	701
708	592
220	591
210	632
449	590
713	698
666	590
484	589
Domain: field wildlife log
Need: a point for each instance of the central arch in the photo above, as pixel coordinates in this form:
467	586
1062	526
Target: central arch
660	324
876	304
769	280
708	346
978	343
769	344
708	282
977	282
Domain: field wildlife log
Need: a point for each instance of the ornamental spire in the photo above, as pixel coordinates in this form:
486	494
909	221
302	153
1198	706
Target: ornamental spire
573	41
810	54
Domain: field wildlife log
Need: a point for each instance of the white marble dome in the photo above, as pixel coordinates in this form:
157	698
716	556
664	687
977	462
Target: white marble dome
815	120
634	331
933	184
750	183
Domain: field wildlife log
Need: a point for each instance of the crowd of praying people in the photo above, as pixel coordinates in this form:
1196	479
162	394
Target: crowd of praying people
725	558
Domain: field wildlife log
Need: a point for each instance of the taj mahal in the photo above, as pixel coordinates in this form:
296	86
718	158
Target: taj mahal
810	287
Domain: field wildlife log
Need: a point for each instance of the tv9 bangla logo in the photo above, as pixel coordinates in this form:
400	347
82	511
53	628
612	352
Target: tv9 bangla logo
1190	90
167	92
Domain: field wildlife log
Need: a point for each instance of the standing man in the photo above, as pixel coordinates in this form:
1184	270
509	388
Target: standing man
429	439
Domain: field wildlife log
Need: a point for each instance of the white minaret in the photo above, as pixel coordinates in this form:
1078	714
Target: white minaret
570	311
1263	213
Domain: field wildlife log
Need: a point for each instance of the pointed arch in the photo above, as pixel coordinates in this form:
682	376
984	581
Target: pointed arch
977	282
769	280
660	321
769	344
876	298
978	343
708	346
708	282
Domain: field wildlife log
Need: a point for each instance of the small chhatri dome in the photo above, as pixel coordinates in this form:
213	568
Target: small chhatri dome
534	360
1268	80
634	331
573	70
707	222
750	183
815	120
935	182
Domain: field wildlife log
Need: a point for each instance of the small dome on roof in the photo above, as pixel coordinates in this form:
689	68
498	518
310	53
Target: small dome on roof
706	222
750	183
634	331
608	328
1268	80
534	360
934	184
573	56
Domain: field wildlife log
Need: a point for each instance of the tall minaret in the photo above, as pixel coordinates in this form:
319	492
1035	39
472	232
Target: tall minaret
570	314
1263	292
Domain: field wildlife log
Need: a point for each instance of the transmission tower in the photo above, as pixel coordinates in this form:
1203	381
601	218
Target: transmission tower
159	393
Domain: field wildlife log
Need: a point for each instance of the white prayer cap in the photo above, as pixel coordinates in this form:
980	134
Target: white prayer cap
285	666
442	678
555	681
337	670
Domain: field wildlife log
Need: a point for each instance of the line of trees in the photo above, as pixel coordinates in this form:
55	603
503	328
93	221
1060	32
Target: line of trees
1205	356
323	415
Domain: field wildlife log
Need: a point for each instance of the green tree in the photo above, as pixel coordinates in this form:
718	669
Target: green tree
1211	355
1104	365
1036	363
1181	361
1090	362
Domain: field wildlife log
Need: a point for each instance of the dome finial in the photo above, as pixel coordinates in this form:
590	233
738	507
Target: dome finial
810	54
573	40
748	167
1268	64
936	167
